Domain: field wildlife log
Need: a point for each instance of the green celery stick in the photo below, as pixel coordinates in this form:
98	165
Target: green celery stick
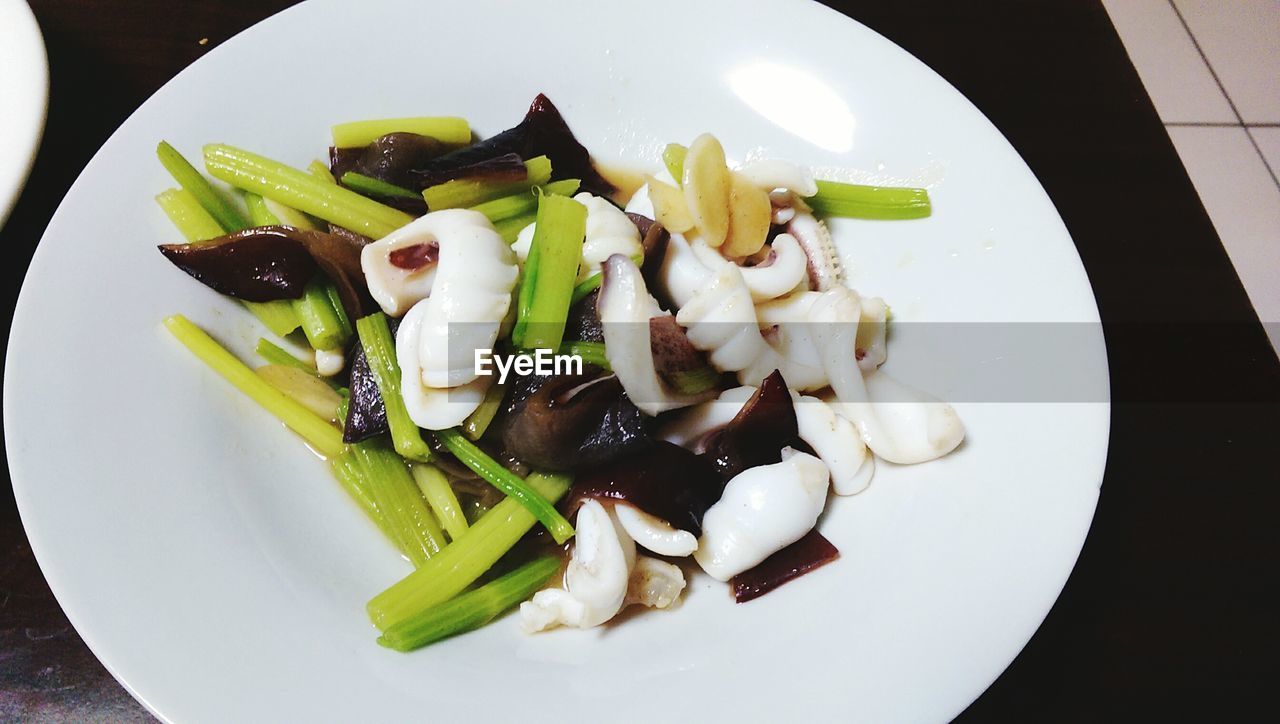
523	203
435	488
446	129
563	187
370	186
585	287
472	609
592	353
692	382
321	172
265	212
318	433
465	559
465	193
320	321
519	204
380	350
335	304
347	471
524	295
557	237
302	191
259	214
277	355
509	229
393	490
870	202
508	482
673	158
477	422
197	225
198	186
188	215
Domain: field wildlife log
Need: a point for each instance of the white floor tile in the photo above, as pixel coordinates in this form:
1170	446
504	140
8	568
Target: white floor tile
1269	141
1241	38
1171	68
1244	203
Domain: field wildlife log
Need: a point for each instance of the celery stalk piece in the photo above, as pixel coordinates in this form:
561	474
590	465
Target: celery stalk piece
321	172
302	191
277	355
585	287
197	225
509	229
508	482
524	203
227	216
673	158
563	187
477	422
870	202
259	214
521	203
318	433
265	212
472	609
435	488
446	129
392	488
380	349
320	321
347	471
370	186
465	559
557	238
692	382
464	193
188	215
592	353
524	294
335	304
277	316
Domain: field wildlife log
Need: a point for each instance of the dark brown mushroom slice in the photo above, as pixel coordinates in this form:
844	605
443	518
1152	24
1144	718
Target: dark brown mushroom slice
543	132
665	481
266	263
574	421
807	554
505	168
757	434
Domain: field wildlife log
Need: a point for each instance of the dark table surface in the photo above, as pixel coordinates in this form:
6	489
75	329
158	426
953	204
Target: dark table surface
1169	610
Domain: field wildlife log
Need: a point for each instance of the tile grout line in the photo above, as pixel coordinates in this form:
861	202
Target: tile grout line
1217	124
1230	103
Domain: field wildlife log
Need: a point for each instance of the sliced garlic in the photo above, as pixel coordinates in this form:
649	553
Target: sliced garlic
669	206
707	187
749	216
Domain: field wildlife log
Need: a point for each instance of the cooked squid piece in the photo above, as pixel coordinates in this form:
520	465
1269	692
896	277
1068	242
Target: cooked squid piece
763	510
609	231
451	276
903	425
604	574
625	308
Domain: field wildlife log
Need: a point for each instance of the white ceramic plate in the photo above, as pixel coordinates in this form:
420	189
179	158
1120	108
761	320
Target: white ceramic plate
24	86
207	558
